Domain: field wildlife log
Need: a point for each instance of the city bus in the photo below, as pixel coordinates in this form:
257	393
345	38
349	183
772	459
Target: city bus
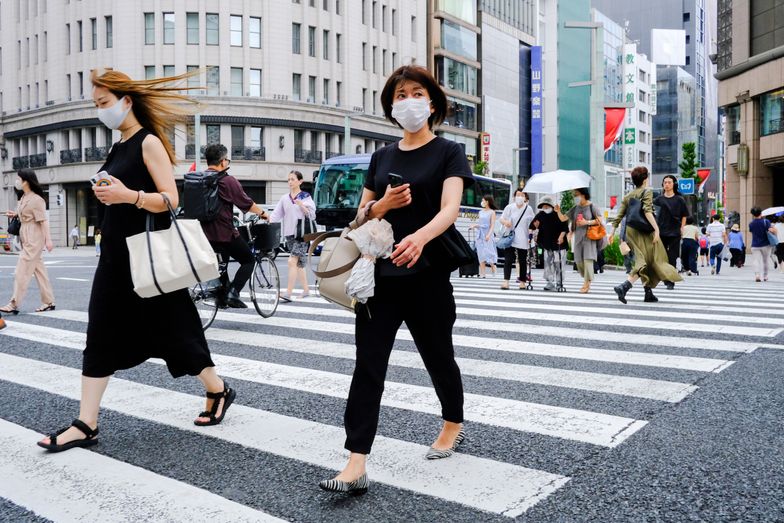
340	180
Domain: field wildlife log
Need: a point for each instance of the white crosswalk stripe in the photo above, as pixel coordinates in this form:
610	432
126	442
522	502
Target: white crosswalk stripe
501	341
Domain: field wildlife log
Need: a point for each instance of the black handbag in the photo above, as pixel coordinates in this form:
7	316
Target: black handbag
455	250
305	226
14	226
635	216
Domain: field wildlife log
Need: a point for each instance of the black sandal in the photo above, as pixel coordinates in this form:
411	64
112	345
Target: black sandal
227	396
46	308
89	440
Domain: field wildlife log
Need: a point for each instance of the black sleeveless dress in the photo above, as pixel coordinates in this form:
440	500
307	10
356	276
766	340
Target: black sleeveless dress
124	329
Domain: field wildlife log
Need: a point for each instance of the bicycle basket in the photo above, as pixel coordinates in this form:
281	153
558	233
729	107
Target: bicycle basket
266	236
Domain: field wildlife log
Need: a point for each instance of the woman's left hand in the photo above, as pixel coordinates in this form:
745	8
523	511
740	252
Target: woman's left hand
49	245
117	192
487	237
408	251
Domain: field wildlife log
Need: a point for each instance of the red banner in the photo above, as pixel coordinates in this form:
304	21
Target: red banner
613	126
703	175
613	202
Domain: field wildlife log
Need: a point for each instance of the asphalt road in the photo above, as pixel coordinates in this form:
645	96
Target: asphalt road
578	409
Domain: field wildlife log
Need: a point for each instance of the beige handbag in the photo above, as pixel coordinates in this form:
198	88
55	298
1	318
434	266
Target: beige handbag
338	256
170	259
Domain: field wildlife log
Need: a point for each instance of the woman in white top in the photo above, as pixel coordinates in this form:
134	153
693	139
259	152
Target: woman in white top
292	207
519	214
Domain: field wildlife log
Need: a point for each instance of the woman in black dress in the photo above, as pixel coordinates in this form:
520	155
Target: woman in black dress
412	286
123	329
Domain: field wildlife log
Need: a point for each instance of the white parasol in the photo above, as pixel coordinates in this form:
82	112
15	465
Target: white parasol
374	240
557	181
772	210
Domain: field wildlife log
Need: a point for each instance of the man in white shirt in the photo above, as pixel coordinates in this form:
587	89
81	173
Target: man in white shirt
717	237
75	236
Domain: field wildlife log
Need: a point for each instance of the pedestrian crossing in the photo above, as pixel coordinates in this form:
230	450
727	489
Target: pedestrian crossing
559	377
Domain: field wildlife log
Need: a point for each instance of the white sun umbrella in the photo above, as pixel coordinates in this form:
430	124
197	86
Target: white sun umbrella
557	181
772	210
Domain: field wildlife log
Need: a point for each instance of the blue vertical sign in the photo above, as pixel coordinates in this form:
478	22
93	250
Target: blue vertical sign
536	109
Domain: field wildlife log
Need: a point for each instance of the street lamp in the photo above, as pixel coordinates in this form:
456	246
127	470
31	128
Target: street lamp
347	131
515	166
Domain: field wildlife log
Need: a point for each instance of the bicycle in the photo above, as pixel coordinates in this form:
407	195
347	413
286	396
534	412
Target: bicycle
264	283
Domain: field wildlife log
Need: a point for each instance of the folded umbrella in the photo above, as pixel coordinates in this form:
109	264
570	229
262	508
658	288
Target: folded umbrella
557	181
374	240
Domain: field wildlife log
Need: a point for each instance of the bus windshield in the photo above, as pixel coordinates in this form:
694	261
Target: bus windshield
339	190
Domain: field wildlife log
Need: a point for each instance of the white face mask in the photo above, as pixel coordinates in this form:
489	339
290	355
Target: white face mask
547	210
18	184
411	113
519	200
113	117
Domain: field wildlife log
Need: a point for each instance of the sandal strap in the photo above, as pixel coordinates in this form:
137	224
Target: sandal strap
88	432
216	395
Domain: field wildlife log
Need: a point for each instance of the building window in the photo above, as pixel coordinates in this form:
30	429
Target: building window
733	124
686	17
325	45
213	28
394	22
312	89
168	71
364	99
375	99
109	32
237	139
384	61
364	12
375	61
295	38
213	134
81	36
213	80
458	40
373	15
337	7
325	92
254	32
192	26
456	75
149	72
67	88
80	78
364	56
312	3
168	28
463	9
325	5
338	43
772	113
194	82
256	139
311	41
383	18
255	82
394	61
149	28
338	93
460	114
236	81
93	34
296	86
413	29
688	60
235	22
45	48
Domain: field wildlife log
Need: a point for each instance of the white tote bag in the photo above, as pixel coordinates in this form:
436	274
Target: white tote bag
170	259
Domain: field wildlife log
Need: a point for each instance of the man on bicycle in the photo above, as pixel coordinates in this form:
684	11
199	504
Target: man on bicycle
223	236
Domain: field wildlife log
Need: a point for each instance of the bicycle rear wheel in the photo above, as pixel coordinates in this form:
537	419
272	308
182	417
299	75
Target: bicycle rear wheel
205	299
265	286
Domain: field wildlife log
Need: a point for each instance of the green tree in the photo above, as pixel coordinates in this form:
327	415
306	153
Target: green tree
480	167
689	164
567	201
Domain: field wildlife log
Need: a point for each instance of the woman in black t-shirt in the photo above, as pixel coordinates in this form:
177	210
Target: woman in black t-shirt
412	286
672	219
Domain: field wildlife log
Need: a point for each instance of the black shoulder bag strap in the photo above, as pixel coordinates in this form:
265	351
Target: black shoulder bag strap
520	218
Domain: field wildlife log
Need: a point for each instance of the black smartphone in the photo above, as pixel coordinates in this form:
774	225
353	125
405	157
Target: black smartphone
395	180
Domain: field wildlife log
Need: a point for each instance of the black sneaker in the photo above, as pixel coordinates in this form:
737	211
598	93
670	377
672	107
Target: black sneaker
670	285
233	300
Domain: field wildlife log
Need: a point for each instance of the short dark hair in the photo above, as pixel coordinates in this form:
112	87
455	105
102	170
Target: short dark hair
715	217
420	75
215	153
639	175
585	191
756	211
690	220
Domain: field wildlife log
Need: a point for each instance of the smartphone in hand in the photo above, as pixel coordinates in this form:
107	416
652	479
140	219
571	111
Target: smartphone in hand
395	180
101	179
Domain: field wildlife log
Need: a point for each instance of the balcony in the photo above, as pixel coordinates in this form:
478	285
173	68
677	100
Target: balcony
70	156
305	156
190	151
331	154
20	162
95	154
240	152
37	160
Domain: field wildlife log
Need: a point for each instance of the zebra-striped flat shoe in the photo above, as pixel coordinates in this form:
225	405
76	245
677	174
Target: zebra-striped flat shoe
356	487
441	454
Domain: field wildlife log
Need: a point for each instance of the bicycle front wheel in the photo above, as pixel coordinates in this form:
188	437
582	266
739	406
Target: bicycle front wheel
265	286
205	299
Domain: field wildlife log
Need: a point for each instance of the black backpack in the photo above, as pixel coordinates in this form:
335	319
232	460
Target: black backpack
200	199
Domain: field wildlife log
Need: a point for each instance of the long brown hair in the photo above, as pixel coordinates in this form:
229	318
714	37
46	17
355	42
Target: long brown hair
30	177
156	103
